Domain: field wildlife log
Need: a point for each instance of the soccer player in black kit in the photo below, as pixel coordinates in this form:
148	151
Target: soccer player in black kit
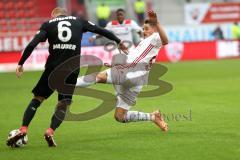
64	34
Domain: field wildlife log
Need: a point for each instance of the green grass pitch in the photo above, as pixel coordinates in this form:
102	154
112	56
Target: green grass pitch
210	89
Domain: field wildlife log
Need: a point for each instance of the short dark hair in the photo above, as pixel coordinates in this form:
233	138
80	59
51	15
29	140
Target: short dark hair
120	10
147	21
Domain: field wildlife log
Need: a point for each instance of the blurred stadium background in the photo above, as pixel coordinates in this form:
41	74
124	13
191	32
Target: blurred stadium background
190	26
203	67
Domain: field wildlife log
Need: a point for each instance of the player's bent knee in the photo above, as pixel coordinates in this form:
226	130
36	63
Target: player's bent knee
120	114
101	77
61	108
39	98
120	118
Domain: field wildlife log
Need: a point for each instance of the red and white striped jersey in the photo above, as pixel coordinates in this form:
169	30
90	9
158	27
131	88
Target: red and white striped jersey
124	31
146	50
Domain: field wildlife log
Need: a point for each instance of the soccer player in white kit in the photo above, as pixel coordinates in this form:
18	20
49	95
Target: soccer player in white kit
129	73
122	28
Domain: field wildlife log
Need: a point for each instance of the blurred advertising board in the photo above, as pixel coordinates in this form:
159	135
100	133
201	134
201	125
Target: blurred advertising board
193	33
188	51
36	61
17	42
198	13
173	52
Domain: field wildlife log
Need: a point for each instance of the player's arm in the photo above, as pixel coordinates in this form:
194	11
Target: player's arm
96	36
153	19
91	27
162	34
39	37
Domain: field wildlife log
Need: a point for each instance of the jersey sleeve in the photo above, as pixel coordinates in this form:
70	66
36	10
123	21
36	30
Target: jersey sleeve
91	27
135	26
156	40
43	32
41	36
108	26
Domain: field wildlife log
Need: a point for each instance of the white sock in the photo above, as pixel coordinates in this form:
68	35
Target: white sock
134	116
85	81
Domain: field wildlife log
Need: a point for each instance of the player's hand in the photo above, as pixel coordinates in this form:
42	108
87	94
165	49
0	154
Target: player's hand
91	39
123	47
152	17
19	71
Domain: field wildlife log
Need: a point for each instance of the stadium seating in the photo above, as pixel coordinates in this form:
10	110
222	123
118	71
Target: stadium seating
22	15
1	5
1	14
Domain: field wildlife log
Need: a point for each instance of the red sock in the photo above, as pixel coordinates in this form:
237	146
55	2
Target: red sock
23	129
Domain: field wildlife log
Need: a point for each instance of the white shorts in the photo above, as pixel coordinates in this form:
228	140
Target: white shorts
126	97
127	85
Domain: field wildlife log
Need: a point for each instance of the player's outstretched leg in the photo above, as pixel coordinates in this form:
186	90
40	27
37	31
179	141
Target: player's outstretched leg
88	80
27	118
124	116
56	121
85	81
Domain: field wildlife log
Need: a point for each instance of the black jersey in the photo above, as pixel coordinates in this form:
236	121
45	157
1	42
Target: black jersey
64	35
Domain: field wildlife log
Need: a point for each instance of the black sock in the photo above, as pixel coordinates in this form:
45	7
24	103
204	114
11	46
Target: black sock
58	116
30	111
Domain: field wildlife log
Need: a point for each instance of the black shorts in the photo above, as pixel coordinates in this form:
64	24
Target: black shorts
42	88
